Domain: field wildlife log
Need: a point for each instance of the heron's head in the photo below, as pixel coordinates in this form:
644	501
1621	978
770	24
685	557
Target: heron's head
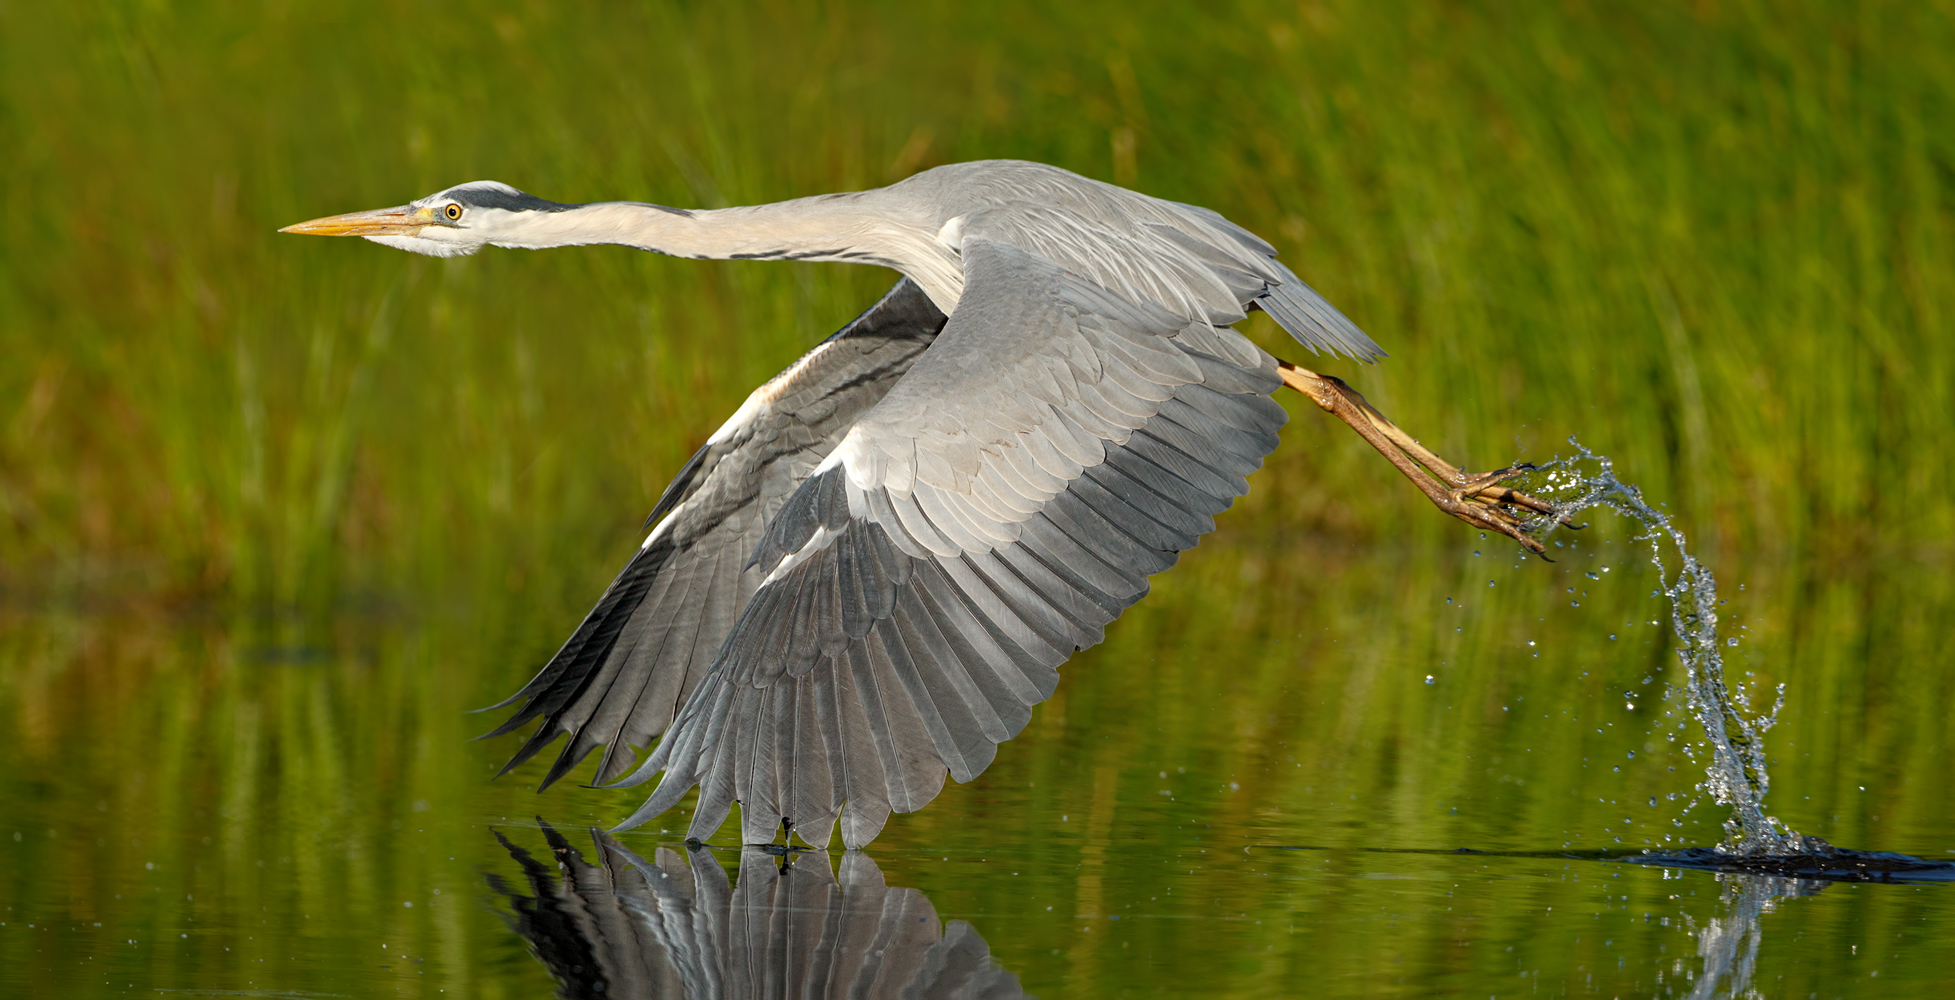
451	223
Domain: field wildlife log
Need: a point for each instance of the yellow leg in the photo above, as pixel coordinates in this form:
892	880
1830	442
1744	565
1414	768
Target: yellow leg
1476	498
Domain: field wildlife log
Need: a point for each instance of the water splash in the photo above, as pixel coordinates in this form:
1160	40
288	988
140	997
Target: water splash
1736	775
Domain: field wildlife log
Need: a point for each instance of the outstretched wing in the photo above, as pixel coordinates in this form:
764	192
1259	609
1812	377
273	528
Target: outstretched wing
642	650
1008	498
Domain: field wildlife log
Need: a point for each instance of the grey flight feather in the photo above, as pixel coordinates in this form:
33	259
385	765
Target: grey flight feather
1003	502
643	648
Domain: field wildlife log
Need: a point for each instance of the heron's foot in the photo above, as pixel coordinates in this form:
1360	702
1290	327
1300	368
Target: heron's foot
1478	498
1486	489
1492	507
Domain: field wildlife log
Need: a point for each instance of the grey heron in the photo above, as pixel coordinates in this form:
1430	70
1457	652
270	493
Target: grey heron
866	578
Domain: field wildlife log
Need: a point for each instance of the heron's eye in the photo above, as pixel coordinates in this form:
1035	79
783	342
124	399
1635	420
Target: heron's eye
453	211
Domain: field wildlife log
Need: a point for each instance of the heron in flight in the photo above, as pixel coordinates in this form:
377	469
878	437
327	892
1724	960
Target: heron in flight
866	578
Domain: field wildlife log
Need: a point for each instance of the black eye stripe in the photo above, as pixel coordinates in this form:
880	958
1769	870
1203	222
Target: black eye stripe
507	200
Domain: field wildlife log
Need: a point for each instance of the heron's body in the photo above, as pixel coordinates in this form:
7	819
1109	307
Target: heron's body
870	574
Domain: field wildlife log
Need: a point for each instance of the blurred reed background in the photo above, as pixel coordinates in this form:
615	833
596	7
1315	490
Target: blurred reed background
1713	240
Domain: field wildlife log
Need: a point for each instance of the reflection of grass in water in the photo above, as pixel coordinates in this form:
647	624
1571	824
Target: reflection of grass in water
1698	239
205	750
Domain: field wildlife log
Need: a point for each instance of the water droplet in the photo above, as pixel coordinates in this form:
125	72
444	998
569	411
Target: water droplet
1574	604
1731	642
1429	679
1652	802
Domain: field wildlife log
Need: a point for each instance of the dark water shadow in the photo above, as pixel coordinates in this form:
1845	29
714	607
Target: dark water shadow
1831	865
621	926
1835	864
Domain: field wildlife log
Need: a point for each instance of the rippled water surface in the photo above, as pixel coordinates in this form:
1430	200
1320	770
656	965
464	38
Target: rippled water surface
1338	774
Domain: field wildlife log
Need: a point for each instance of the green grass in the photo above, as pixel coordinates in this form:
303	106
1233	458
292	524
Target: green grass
1713	241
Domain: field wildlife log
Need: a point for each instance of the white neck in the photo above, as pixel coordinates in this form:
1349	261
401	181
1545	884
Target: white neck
848	228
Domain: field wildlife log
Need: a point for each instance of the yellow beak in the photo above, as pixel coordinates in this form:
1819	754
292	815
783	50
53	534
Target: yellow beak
379	222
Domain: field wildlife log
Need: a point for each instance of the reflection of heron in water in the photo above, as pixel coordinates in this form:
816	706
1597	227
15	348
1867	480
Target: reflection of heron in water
1729	944
1753	885
624	927
871	573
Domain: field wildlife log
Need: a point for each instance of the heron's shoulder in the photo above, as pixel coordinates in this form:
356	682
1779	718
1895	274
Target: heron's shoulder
987	172
963	188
